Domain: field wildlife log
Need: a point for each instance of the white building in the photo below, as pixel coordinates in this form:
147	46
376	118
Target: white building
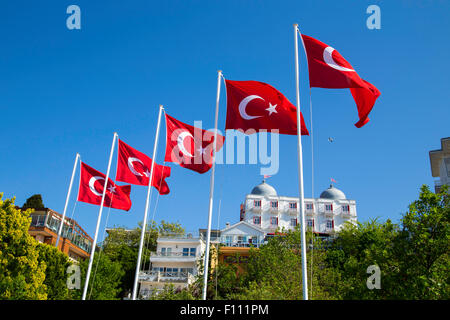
175	261
264	208
440	164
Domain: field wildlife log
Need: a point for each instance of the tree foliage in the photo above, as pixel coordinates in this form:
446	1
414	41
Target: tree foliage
22	274
55	273
413	256
104	281
34	202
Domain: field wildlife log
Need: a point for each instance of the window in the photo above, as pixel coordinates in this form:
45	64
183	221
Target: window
256	220
166	251
293	205
310	223
189	252
242	239
309	206
257	203
328	207
274	221
293	222
346	209
253	240
228	240
274	204
330	224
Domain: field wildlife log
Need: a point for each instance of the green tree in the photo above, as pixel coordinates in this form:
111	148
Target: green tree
105	279
274	271
170	293
355	249
22	275
34	202
423	247
55	273
413	256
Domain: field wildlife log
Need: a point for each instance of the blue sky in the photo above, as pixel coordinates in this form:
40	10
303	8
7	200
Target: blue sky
65	91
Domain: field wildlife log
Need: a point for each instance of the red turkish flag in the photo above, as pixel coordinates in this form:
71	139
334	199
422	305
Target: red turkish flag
91	190
328	69
189	146
259	106
134	167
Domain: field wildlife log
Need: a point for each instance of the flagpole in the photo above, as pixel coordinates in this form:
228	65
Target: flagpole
144	223
300	171
67	199
91	258
211	190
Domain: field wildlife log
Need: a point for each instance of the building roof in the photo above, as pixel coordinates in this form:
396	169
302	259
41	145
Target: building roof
437	155
244	223
333	194
264	189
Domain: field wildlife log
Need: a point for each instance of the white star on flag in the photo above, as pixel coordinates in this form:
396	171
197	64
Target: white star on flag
201	150
271	109
112	189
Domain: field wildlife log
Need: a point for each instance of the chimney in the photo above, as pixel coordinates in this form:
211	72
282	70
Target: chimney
227	225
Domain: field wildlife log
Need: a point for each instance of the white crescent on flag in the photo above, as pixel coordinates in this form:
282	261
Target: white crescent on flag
91	185
131	167
180	142
243	105
328	58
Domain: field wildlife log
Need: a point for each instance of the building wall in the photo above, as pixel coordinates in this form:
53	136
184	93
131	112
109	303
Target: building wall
285	213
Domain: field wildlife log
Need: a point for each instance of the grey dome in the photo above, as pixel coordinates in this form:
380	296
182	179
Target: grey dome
264	189
333	194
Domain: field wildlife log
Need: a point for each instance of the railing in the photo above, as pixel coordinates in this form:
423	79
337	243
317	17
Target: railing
329	213
193	236
46	220
242	244
256	208
166	276
174	254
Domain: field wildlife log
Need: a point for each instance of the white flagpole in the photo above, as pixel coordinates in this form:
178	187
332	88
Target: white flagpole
300	171
91	258
211	190
144	223
67	199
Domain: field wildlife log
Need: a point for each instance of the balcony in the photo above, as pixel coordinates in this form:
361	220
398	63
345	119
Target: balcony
274	210
237	240
173	257
256	209
49	222
329	213
241	244
169	277
292	211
